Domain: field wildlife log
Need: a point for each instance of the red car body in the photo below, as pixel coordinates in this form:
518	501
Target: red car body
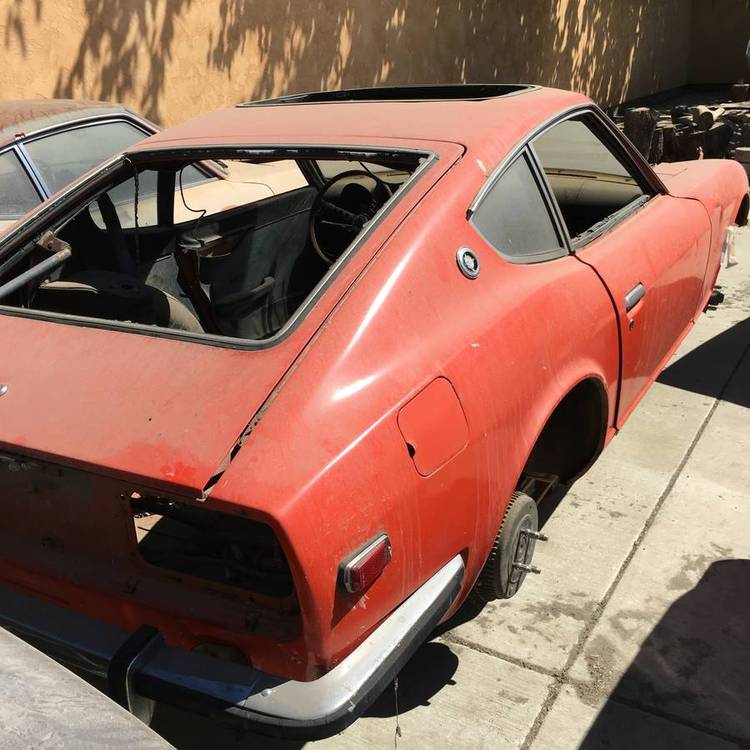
407	401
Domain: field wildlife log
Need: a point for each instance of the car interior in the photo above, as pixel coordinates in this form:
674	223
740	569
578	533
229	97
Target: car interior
588	181
228	247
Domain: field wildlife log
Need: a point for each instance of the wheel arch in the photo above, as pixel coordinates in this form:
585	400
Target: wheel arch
585	403
742	211
543	431
554	417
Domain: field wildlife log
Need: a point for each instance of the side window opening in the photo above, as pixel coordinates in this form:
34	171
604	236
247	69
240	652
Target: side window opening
514	218
229	248
589	182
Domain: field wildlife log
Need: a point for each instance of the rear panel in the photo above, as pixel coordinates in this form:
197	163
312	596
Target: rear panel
204	578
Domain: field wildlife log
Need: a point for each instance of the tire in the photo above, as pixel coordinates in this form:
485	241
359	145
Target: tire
499	579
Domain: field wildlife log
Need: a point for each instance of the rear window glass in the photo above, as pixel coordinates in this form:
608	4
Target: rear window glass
63	156
17	194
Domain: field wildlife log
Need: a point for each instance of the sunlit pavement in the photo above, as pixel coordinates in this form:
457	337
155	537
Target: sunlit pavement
636	634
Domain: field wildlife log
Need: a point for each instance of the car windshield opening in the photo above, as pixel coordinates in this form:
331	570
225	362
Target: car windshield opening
228	247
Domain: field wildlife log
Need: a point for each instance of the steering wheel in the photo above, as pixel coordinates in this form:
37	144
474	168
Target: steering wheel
334	223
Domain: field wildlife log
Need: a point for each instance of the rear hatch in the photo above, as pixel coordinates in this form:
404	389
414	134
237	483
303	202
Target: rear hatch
163	412
159	411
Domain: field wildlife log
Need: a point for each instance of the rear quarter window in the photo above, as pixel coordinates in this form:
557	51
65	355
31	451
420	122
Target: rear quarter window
514	219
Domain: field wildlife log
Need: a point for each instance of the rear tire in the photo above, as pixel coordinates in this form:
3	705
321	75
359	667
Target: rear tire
499	579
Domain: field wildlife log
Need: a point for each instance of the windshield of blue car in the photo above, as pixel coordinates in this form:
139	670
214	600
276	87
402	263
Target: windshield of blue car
64	155
17	194
229	247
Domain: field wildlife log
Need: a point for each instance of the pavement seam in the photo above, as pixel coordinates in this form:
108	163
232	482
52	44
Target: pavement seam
562	678
449	638
459	641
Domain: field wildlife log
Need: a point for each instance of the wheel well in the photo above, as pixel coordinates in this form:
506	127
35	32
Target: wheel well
573	436
742	212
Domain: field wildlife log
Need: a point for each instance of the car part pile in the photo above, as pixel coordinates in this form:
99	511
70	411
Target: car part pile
718	131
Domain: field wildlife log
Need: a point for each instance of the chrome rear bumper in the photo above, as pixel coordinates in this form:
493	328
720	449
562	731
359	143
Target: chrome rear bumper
140	668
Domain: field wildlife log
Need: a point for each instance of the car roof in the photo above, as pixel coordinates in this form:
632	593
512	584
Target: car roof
365	119
27	116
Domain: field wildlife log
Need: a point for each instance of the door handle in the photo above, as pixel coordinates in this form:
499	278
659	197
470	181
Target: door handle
634	296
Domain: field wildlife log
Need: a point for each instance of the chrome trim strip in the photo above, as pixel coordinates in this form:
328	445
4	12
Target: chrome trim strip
552	209
83	122
126	115
36	178
515	151
565	114
27	170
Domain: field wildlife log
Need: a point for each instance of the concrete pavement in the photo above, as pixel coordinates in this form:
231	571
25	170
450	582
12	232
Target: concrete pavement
637	633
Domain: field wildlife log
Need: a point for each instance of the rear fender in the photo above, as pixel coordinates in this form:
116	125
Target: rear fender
526	435
332	500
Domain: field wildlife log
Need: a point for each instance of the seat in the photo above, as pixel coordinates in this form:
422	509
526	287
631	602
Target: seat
250	286
110	295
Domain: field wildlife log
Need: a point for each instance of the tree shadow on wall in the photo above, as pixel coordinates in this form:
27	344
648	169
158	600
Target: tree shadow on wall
127	45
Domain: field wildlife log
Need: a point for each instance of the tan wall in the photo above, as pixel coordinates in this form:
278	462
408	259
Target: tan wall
720	32
171	59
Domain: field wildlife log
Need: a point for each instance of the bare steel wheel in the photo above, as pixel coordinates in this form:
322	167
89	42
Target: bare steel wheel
510	557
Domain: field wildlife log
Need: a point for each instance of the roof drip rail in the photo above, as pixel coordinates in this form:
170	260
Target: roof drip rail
410	93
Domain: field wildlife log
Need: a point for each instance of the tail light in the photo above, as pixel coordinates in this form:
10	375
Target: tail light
216	547
359	571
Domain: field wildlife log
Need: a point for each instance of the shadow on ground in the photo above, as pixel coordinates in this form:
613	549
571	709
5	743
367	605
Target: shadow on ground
694	668
429	671
703	370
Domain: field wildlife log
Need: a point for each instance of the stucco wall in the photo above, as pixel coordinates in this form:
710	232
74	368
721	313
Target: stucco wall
720	32
172	59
